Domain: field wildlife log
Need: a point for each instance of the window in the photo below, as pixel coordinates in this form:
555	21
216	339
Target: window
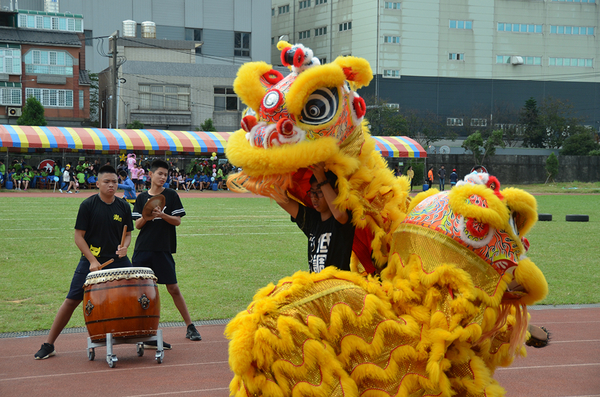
241	45
164	97
456	56
454	24
192	34
305	34
64	22
81	100
10	96
304	4
519	28
88	38
345	26
391	73
478	122
317	2
391	39
392	5
226	100
49	62
10	60
527	60
284	9
272	40
454	122
323	61
579	30
51	98
321	31
272	12
576	62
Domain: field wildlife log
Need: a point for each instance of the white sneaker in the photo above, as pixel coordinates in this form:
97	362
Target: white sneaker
70	192
60	190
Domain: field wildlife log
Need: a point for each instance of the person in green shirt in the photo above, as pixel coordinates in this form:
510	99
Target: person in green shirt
2	172
81	178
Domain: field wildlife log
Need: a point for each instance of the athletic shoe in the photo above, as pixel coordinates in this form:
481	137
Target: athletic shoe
46	351
192	333
60	190
153	345
70	192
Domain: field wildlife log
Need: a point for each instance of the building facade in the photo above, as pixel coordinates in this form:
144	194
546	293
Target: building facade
46	64
462	59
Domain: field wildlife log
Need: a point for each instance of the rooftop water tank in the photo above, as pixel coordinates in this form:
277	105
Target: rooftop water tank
129	28
148	30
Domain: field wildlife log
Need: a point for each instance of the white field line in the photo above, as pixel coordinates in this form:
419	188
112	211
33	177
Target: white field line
179	392
145	368
550	366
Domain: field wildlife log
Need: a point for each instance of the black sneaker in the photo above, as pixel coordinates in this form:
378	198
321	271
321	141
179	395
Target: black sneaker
192	333
153	345
46	351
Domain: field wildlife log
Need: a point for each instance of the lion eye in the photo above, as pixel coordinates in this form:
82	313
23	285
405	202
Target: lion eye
321	106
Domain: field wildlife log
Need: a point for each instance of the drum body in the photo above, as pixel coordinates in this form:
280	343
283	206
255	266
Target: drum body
122	301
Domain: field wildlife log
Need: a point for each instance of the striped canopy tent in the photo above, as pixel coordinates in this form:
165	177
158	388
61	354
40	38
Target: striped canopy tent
399	146
31	139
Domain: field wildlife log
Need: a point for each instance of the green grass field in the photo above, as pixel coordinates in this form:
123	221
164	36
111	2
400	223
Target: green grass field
230	247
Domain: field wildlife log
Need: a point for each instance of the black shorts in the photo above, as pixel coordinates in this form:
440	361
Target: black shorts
135	181
161	263
83	269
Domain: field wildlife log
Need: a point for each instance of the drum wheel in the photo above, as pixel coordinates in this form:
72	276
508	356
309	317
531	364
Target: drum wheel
91	354
140	349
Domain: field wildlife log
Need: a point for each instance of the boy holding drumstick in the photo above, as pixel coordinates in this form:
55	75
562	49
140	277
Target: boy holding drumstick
157	241
98	235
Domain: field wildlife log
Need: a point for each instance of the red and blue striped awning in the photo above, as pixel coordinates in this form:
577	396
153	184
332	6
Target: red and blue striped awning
399	146
112	140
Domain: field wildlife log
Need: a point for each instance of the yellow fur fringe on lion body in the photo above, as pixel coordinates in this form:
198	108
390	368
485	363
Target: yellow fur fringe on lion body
449	305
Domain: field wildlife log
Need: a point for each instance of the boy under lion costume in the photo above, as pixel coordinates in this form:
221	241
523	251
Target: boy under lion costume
445	300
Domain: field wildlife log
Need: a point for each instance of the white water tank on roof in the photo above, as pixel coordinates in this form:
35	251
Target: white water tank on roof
148	30
129	28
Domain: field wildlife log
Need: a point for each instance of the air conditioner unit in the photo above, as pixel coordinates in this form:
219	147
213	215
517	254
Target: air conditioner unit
13	112
516	60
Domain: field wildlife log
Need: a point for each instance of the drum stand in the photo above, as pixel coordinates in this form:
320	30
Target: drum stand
112	359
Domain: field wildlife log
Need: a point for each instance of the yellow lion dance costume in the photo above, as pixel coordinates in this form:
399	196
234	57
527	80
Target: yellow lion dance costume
444	303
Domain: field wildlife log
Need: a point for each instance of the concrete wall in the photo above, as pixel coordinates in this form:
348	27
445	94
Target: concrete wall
520	169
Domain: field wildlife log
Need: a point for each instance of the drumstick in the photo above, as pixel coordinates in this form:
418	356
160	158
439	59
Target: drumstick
108	262
123	237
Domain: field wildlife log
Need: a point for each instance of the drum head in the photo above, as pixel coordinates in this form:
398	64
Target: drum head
121	273
153	202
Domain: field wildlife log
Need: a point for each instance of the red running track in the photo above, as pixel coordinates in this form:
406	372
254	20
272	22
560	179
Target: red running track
568	367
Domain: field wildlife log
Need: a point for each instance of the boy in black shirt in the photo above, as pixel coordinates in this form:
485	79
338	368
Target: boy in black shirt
157	241
330	231
98	232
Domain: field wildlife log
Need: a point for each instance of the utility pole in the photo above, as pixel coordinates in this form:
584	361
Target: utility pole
113	80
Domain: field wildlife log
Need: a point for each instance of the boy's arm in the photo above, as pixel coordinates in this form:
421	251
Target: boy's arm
85	249
328	192
291	207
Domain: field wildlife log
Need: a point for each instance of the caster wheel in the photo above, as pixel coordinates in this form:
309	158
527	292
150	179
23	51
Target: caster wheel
159	356
112	361
91	354
140	349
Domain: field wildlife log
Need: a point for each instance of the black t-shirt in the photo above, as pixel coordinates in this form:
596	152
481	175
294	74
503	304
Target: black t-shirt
442	172
158	234
329	242
103	224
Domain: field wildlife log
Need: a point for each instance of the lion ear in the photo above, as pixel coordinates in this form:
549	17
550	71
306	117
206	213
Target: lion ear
357	70
524	208
253	80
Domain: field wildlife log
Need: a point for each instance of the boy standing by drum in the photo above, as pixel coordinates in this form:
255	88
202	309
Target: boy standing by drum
98	233
157	241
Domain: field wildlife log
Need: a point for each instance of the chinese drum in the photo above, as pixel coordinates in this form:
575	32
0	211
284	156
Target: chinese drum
122	301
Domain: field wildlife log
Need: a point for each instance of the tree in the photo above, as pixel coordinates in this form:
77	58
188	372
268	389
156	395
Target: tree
135	125
533	135
93	102
383	119
551	167
482	149
424	127
207	126
556	121
581	143
33	113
